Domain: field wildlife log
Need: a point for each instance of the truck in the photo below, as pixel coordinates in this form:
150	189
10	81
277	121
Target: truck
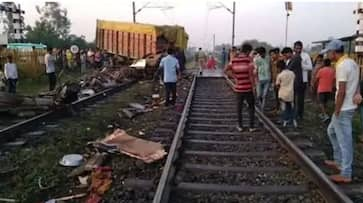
138	41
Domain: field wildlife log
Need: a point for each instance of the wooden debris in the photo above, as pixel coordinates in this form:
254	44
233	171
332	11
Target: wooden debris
7	200
26	114
144	150
94	162
15	143
137	106
128	113
67	198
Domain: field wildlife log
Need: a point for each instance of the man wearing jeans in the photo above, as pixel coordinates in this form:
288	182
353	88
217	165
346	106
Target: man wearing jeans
170	66
340	127
264	75
49	60
244	86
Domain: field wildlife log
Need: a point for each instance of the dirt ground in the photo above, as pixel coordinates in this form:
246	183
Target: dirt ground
21	168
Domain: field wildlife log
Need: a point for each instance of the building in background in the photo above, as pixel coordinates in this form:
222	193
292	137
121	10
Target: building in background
11	23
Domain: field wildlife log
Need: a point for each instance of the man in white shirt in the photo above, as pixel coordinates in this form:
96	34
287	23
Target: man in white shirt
340	127
306	66
49	60
11	74
170	67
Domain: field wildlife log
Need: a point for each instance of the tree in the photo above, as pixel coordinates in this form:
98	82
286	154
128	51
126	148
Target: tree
255	43
53	28
56	17
43	33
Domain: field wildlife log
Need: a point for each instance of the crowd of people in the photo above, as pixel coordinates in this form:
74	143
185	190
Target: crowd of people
60	58
288	74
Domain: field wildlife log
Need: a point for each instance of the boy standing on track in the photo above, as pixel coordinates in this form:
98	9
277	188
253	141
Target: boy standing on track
325	79
244	85
347	98
170	66
285	85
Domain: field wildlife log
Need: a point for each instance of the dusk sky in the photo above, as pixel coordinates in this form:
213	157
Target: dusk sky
262	20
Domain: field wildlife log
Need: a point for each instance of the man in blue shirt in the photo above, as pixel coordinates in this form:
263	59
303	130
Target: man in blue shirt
170	67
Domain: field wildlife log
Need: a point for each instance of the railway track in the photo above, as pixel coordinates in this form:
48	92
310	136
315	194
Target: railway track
12	131
210	161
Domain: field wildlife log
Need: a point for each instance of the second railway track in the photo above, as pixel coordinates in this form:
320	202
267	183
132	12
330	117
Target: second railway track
12	131
210	161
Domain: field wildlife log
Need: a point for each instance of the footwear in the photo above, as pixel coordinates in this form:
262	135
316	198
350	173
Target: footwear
325	118
284	124
332	164
294	123
239	129
321	116
252	130
340	179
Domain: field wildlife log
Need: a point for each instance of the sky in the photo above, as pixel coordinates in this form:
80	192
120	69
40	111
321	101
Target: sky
255	19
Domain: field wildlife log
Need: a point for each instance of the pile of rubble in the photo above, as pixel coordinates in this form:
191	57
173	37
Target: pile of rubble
99	80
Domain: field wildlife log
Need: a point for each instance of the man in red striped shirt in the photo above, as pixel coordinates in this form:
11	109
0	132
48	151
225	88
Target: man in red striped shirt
241	67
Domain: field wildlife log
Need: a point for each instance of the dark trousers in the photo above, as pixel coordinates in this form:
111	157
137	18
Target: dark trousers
299	100
170	88
52	81
288	113
276	91
12	85
250	98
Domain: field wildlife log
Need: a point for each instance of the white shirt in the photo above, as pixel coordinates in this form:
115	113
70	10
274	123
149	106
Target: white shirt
49	63
170	65
348	71
10	71
306	65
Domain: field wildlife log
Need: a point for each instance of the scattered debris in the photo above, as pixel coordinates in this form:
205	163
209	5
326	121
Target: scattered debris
71	160
42	187
83	180
128	113
15	143
93	198
101	180
155	99
87	92
67	198
7	200
147	151
36	133
137	106
26	114
50	126
141	133
94	162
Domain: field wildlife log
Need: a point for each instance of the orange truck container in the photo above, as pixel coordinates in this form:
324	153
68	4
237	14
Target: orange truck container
138	40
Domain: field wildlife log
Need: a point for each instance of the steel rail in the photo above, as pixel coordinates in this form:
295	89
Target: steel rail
327	188
9	131
163	188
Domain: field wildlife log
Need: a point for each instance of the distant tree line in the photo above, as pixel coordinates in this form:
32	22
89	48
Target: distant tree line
53	28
